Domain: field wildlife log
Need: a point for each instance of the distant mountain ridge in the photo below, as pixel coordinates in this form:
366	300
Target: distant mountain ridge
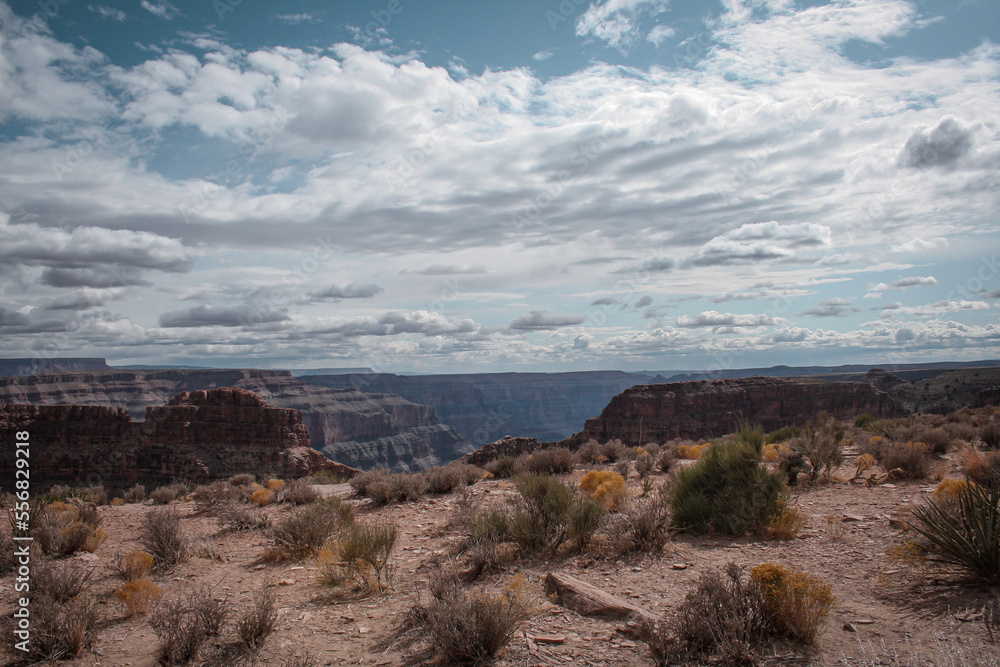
34	366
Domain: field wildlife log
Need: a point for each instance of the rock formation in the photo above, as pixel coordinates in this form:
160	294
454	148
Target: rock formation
710	408
506	446
356	429
196	438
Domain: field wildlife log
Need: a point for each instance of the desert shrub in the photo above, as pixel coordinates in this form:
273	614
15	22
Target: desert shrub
443	479
325	478
937	439
644	464
606	487
116	502
58	630
363	480
61	528
137	596
949	489
623	467
384	488
589	453
786	523
59	581
132	566
361	556
666	459
642	526
136	494
783	434
912	458
961	431
210	612
963	530
491	524
300	492
728	489
244	479
549	461
692	452
160	534
550	513
275	484
613	451
236	517
820	446
164	495
257	622
799	603
863	420
8	561
263	497
775	453
502	466
216	493
471	627
990	434
725	619
180	630
306	530
981	467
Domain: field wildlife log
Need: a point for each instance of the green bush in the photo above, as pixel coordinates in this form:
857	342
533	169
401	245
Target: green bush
820	446
783	434
728	489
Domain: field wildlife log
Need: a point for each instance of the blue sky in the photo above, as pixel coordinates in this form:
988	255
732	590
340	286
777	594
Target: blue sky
473	186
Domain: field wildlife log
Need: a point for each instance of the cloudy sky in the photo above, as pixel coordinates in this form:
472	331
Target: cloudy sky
524	185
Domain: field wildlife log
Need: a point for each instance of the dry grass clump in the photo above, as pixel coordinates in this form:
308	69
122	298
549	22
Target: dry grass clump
136	494
308	529
913	459
799	602
62	528
258	621
96	495
787	523
237	517
59	582
164	495
300	492
384	488
217	493
589	453
613	451
981	467
243	479
820	446
692	452
160	534
275	484
502	467
471	627
551	461
949	489
184	624
606	487
361	556
447	478
132	566
137	596
263	497
642	526
990	434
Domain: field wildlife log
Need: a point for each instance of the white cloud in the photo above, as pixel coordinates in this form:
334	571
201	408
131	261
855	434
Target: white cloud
109	13
160	8
660	34
543	319
543	55
713	318
616	22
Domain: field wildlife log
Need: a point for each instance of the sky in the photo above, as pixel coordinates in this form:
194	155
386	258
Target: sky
532	185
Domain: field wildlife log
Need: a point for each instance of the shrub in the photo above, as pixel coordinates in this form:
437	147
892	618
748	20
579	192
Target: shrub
116	502
444	479
216	493
963	530
58	630
949	489
210	612
300	492
644	464
606	487
783	434
132	566
726	618
258	621
362	556
164	495
180	630
59	581
642	526
550	461
820	446
937	439
692	452
775	453
502	467
244	479
238	517
550	513
263	497
94	541
589	453
384	488
471	627
61	529
962	431
666	458
799	603
912	458
787	523
275	484
613	451
728	489
981	467
306	530
863	420
990	434
325	478
160	534
137	596
136	494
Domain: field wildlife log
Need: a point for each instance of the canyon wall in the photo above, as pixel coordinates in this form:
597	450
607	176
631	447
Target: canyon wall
361	430
197	437
706	409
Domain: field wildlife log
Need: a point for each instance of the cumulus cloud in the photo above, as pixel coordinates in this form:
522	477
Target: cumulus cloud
759	241
160	8
616	22
713	318
543	319
942	146
837	307
420	322
220	316
918	244
660	34
543	55
901	284
351	291
651	265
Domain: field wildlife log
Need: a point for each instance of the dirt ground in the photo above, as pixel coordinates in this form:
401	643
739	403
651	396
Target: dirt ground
920	614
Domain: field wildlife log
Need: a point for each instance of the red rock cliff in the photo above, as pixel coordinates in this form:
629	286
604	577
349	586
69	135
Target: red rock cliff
710	408
197	437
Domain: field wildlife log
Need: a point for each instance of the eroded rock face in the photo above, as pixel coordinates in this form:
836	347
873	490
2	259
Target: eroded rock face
506	446
198	437
358	429
706	409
